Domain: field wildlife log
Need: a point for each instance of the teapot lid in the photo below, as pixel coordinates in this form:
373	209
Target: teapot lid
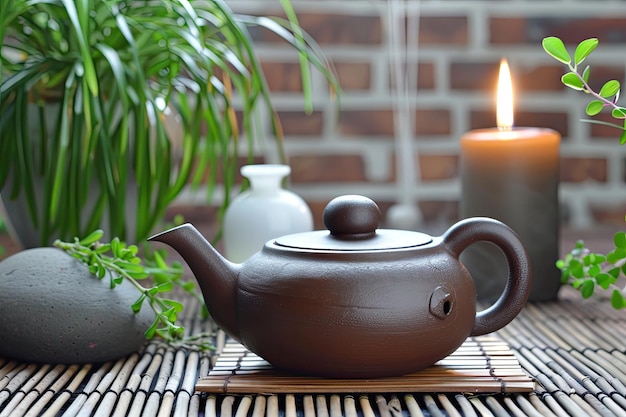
352	222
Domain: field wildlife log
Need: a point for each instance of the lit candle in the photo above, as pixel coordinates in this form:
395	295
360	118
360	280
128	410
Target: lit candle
512	174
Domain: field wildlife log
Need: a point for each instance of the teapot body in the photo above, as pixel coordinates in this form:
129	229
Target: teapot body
355	301
354	315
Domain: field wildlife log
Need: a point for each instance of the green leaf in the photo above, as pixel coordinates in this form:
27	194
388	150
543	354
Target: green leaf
587	288
620	253
594	270
617	300
136	306
576	269
609	89
127	255
117	68
572	80
130	266
165	287
584	49
556	49
160	262
605	280
565	276
138	275
93	237
177	306
592	259
614	272
115	246
152	329
594	107
619	113
171	314
622	138
620	240
612	257
102	248
599	258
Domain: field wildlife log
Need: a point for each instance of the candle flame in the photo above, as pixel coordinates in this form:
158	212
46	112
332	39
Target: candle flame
504	99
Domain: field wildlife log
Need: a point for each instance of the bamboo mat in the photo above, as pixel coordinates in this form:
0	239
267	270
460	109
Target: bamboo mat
481	364
574	350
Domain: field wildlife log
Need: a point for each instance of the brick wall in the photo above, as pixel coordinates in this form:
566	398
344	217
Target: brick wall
453	63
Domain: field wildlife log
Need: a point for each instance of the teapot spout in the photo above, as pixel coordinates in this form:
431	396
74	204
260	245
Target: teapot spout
216	275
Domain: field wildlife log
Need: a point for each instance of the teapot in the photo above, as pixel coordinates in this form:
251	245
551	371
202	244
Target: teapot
355	301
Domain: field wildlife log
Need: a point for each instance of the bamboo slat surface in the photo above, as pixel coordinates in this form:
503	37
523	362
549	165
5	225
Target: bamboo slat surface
481	364
574	351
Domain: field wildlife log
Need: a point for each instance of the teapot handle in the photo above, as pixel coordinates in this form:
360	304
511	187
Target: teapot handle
466	232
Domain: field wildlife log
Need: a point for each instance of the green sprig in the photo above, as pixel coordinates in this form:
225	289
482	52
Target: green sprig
586	270
581	268
120	262
575	79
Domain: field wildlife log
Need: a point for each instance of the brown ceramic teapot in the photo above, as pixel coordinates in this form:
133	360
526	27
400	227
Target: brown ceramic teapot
355	301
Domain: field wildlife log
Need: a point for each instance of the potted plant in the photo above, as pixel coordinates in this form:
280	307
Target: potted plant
581	268
109	102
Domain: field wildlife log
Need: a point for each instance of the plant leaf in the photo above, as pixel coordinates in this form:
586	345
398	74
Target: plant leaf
556	49
594	107
152	329
594	270
584	49
572	80
576	269
619	113
587	288
136	306
93	237
177	306
85	55
164	287
605	280
617	300
610	88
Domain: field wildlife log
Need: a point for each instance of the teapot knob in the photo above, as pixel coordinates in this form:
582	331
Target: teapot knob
352	217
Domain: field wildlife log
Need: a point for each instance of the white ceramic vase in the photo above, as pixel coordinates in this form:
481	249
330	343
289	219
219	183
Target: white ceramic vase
265	211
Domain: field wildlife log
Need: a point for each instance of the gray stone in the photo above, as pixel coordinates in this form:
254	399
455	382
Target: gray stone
53	310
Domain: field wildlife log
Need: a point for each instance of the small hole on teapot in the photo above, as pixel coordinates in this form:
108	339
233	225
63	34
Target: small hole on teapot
441	303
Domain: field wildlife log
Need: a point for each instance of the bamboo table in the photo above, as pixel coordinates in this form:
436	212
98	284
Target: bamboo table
574	350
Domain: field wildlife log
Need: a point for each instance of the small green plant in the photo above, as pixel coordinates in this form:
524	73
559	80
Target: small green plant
581	268
111	101
117	262
578	80
586	270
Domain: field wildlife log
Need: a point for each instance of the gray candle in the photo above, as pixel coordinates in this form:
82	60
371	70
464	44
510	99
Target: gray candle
513	176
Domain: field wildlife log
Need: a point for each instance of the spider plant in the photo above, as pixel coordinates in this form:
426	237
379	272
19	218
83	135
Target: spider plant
98	77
